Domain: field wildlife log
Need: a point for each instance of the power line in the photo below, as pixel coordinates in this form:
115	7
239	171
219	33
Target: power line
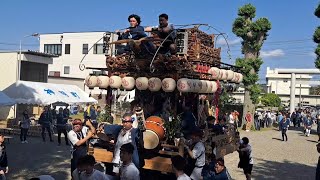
275	43
13	44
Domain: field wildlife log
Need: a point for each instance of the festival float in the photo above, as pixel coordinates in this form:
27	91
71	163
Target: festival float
164	84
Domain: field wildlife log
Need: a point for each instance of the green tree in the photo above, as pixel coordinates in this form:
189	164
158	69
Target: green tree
105	115
253	34
316	39
225	98
271	100
315	90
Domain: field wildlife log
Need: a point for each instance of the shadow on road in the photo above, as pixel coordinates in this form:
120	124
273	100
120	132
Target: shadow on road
300	129
282	170
277	139
37	158
312	141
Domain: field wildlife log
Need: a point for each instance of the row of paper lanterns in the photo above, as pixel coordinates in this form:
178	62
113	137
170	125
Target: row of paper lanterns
152	84
225	75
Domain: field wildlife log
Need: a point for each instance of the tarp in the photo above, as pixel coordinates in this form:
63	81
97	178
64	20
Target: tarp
27	92
5	100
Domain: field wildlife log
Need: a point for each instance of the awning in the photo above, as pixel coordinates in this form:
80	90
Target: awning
27	92
5	100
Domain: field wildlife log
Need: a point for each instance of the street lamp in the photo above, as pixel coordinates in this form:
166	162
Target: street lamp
20	52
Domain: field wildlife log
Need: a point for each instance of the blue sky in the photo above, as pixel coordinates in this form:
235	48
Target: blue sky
289	45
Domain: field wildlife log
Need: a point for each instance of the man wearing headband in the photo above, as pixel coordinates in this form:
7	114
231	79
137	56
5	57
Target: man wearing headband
127	134
78	137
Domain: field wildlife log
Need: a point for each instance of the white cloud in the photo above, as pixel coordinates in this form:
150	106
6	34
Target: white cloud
312	54
221	41
272	53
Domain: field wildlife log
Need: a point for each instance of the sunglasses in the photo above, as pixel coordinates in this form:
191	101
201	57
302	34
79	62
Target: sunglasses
127	120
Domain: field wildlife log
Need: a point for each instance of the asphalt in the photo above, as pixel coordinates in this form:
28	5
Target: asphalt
276	159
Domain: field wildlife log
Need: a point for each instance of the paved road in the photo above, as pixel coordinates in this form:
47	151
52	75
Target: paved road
38	158
275	159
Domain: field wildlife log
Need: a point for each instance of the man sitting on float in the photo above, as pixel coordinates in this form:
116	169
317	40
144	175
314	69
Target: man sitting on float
124	134
165	31
134	32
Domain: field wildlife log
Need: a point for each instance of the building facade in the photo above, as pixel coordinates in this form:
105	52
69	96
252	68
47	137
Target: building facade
280	83
32	67
71	48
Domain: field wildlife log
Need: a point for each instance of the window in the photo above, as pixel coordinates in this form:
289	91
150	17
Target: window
273	92
85	49
66	70
285	81
67	49
53	49
98	49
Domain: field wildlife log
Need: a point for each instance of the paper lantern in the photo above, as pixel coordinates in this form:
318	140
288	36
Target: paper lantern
214	86
184	85
234	79
168	85
230	75
223	74
128	83
115	82
103	82
197	84
215	72
204	86
91	81
154	84
240	79
210	86
142	83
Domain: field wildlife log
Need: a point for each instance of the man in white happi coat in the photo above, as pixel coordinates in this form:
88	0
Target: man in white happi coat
127	134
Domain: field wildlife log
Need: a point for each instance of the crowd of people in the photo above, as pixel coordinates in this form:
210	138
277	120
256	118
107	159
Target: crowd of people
126	160
305	118
55	120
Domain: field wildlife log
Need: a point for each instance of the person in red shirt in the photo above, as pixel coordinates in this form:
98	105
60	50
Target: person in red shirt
249	120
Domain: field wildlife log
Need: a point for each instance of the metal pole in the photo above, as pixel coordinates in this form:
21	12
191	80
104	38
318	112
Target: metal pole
300	94
20	54
19	61
19	65
292	92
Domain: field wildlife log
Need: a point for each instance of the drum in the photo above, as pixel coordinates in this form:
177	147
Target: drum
103	136
154	133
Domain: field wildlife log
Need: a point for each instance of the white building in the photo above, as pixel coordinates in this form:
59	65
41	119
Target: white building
33	67
239	95
280	83
71	48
